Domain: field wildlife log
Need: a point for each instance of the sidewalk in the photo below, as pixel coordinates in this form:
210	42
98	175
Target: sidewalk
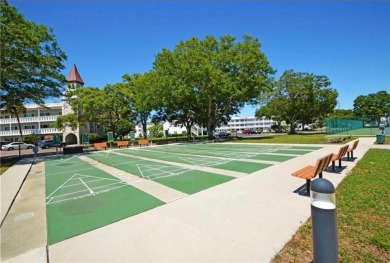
248	219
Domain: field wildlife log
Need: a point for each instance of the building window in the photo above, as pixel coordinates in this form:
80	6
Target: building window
44	126
28	115
6	128
44	114
29	127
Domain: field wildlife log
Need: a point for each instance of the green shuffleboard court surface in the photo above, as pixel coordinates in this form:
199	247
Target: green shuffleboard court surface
186	180
205	161
80	198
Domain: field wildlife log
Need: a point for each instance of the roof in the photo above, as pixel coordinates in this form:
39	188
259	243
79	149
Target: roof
74	76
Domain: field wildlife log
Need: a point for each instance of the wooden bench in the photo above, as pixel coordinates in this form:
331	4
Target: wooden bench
143	142
122	143
338	156
100	145
311	171
350	149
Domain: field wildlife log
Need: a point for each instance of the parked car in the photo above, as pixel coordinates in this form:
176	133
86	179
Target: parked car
222	134
16	145
251	131
46	144
254	131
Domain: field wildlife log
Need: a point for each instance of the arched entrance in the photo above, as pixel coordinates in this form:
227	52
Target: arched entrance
71	139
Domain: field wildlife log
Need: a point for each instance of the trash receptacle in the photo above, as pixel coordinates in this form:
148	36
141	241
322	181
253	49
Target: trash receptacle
380	138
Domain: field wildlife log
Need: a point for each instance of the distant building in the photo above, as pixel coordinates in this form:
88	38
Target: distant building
244	123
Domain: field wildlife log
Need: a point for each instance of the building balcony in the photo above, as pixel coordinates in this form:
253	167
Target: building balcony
30	131
29	119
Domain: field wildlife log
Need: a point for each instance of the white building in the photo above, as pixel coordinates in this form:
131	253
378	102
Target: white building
38	119
244	123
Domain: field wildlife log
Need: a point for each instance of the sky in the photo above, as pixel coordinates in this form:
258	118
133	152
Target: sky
349	42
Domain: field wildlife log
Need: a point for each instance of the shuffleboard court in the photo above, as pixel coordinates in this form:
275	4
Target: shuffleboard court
293	151
205	161
81	198
186	180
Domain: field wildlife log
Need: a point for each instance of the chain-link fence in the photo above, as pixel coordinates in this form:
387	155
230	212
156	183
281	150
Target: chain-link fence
369	125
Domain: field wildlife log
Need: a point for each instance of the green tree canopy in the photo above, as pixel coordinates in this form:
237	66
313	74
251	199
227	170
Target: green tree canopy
109	107
342	114
272	110
144	96
209	80
302	97
374	104
31	61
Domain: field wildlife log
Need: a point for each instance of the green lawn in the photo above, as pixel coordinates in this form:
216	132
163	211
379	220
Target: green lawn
363	216
7	163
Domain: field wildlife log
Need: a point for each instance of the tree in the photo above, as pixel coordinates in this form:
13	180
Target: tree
123	127
32	138
63	121
109	106
31	61
143	95
374	104
210	80
302	97
272	110
157	130
342	114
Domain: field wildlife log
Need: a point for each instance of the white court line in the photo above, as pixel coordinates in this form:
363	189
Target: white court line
72	171
173	171
94	188
61	186
81	183
90	190
61	160
200	161
78	197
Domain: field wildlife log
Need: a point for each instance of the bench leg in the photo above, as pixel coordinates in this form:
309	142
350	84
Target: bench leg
333	166
320	174
340	163
308	187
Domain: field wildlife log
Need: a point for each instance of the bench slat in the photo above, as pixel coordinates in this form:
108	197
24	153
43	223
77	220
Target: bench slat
122	143
338	156
100	145
310	171
350	149
143	142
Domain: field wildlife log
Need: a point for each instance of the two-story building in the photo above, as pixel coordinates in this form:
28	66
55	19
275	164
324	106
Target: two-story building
38	119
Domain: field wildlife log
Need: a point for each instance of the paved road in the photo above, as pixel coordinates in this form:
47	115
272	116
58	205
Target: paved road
26	152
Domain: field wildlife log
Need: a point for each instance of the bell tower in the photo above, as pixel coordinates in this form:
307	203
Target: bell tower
73	81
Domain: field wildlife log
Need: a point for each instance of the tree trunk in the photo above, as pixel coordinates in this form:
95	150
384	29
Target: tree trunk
210	132
20	127
188	128
292	127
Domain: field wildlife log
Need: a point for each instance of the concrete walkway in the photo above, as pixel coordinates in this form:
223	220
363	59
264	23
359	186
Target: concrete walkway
248	219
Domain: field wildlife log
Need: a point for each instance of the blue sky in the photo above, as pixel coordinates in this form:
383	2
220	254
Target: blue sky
347	41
